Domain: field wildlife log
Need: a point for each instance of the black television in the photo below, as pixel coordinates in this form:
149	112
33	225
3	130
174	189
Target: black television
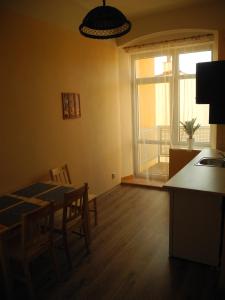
210	82
217	113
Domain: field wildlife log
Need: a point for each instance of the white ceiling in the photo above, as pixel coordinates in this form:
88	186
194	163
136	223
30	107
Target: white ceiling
69	13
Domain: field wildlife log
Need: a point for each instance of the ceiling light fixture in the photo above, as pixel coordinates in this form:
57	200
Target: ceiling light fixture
104	22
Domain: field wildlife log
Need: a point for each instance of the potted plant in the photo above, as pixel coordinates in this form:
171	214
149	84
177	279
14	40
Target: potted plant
190	128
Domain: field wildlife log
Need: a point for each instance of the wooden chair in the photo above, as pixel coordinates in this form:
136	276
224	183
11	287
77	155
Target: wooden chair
61	175
36	238
75	215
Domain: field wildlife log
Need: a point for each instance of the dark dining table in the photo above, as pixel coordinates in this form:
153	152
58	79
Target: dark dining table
24	200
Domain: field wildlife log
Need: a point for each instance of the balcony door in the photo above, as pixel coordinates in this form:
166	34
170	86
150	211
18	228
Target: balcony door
164	95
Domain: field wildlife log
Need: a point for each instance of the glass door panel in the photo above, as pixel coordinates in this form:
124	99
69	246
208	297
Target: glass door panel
153	106
164	95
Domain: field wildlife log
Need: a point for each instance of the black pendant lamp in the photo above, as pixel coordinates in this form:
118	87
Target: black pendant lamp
104	22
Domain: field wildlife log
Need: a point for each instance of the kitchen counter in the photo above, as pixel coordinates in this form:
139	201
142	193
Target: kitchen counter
200	178
196	211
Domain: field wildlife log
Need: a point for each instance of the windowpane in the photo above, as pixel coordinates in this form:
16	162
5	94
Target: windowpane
153	66
163	65
145	67
154	134
147	106
189	109
162	95
154	101
149	157
187	61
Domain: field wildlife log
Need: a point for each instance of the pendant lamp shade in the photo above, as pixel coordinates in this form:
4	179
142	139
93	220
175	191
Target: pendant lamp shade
104	22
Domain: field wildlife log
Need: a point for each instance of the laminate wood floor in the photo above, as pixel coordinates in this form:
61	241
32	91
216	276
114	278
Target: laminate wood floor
129	256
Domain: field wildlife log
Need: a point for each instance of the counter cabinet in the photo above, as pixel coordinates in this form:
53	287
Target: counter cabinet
195	226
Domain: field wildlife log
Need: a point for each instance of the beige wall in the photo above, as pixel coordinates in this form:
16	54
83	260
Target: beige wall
38	62
125	114
196	18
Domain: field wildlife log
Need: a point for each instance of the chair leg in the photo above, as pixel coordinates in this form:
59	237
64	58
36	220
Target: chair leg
86	238
55	263
4	267
95	210
81	231
66	246
28	280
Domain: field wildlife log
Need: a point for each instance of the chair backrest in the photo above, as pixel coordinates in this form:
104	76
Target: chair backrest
75	208
37	231
60	174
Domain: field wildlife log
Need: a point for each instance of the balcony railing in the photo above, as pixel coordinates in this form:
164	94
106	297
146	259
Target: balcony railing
160	135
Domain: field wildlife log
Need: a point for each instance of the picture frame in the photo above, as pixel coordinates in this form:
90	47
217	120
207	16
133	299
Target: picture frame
71	106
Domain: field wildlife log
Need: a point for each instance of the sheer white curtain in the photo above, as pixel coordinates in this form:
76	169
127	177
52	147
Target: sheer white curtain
188	109
164	95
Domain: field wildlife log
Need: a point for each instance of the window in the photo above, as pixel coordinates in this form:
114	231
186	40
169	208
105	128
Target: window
164	95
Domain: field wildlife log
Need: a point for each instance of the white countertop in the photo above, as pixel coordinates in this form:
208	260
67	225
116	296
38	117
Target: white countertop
200	178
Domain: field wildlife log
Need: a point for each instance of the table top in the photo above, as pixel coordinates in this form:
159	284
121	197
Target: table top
13	206
34	189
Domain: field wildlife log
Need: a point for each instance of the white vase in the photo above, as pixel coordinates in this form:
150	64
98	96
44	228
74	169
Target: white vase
190	143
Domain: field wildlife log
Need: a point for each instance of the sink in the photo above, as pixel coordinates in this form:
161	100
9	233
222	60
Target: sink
211	162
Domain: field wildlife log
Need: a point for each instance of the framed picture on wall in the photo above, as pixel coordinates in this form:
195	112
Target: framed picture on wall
71	106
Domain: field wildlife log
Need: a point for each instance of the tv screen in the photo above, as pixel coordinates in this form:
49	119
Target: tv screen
210	82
